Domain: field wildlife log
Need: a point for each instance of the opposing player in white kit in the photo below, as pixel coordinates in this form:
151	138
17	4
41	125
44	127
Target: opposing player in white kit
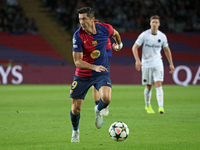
153	41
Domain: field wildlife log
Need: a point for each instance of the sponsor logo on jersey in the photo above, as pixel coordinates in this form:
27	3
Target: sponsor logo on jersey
153	46
94	43
95	54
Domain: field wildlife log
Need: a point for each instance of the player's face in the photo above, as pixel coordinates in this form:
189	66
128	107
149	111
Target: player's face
155	23
85	21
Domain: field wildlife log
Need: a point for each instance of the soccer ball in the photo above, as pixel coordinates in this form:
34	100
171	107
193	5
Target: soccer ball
118	131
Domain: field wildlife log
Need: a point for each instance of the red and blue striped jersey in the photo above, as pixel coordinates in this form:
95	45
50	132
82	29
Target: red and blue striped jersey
93	48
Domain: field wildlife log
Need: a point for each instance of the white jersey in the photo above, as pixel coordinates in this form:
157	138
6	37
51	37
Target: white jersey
152	46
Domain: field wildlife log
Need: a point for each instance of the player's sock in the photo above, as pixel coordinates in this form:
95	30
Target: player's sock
97	102
159	95
147	96
101	105
75	120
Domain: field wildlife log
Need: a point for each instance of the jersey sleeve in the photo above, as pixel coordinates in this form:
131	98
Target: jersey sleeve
165	42
140	39
109	27
110	30
77	43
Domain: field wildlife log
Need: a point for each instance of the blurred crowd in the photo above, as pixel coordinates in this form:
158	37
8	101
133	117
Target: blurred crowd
125	15
14	20
131	15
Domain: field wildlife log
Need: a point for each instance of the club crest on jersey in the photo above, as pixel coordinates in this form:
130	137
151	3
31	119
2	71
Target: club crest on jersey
95	54
94	43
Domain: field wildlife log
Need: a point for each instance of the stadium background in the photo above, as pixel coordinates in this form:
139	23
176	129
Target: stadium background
35	38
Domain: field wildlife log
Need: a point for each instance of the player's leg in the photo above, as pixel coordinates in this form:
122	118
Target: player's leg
75	117
96	95
103	85
105	93
159	96
147	80
147	98
78	91
158	78
97	98
147	94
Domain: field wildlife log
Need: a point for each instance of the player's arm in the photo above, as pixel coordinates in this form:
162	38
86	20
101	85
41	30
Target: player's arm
78	61
138	63
118	45
168	54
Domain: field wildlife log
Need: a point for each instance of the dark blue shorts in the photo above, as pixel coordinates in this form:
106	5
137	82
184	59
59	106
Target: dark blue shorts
81	85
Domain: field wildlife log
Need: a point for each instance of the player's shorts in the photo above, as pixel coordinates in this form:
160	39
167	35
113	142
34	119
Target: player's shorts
81	85
151	75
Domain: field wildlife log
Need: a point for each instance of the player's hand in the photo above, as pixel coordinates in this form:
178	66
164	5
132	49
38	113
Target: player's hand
138	65
100	69
117	47
114	46
171	69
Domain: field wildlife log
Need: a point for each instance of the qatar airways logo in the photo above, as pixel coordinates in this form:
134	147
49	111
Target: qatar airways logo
14	72
95	54
153	46
189	76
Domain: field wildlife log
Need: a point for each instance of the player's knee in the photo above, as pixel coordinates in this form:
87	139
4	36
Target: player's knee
158	84
149	87
76	110
106	99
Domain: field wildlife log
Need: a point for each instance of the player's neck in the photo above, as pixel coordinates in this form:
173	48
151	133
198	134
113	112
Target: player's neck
154	32
92	30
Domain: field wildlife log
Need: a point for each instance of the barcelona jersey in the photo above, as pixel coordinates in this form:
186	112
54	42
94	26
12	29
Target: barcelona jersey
93	48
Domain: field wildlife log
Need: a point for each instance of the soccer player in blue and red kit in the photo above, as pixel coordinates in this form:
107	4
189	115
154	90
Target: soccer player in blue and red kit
92	66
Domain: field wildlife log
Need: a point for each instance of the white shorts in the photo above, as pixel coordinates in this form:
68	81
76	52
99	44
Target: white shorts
151	75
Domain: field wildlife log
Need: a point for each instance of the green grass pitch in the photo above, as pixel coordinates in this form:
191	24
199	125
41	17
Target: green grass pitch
36	117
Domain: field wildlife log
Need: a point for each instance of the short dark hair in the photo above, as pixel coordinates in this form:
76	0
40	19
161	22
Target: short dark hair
88	10
155	17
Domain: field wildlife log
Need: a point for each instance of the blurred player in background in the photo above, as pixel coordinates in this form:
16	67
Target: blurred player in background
92	66
153	41
96	95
